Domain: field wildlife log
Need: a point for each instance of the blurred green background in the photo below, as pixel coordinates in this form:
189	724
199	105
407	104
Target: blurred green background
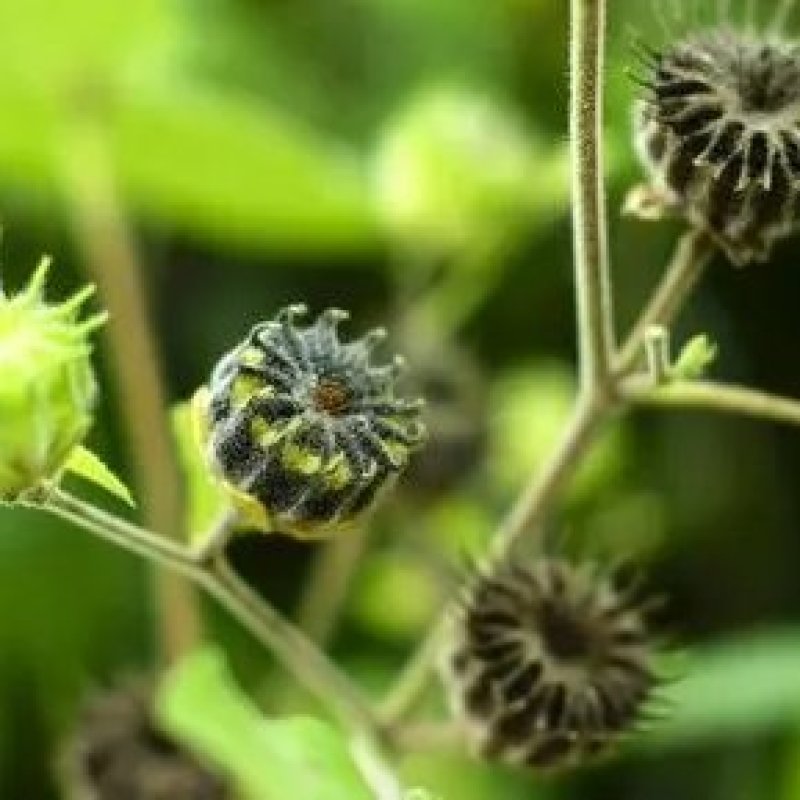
262	151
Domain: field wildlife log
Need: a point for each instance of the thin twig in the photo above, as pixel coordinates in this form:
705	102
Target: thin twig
299	656
535	501
111	258
331	576
719	397
592	273
214	541
690	258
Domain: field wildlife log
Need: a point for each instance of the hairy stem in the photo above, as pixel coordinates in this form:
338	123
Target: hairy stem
544	487
110	257
301	658
592	274
719	397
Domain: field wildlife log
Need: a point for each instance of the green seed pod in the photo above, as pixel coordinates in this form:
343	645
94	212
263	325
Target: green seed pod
47	386
306	426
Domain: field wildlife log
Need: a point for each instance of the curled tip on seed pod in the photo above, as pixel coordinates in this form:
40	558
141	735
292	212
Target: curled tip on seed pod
549	663
290	314
715	128
307	426
334	316
374	338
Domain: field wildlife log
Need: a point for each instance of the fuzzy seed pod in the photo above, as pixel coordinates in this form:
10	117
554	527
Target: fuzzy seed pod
47	386
306	425
118	753
717	131
550	664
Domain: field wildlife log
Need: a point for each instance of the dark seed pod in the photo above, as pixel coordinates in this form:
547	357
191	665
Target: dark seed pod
118	753
306	425
717	130
456	417
550	664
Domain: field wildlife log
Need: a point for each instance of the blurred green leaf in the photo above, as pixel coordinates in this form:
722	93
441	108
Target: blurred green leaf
742	687
298	758
455	777
48	42
395	595
206	501
223	166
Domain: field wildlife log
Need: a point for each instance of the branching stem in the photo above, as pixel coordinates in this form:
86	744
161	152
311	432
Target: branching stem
590	230
299	656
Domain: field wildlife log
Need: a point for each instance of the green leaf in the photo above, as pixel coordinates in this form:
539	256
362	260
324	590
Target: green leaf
299	758
87	465
741	687
205	498
695	358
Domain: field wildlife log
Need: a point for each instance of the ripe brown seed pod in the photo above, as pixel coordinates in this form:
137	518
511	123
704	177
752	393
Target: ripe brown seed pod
119	752
550	663
306	425
716	129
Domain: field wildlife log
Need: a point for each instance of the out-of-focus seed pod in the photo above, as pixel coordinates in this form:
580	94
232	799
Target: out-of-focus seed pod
550	664
306	426
717	130
456	416
47	386
452	170
118	753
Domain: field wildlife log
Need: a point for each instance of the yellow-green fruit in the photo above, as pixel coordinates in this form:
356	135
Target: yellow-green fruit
47	386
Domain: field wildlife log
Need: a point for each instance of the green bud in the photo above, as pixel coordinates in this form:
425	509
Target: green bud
47	387
453	170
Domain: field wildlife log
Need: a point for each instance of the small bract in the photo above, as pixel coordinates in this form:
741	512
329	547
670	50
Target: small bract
306	426
47	386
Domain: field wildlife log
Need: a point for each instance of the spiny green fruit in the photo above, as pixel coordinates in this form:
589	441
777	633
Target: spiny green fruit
47	386
305	427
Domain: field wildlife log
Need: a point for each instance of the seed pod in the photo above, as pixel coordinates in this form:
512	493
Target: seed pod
453	170
456	417
550	664
119	752
306	425
47	386
716	130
